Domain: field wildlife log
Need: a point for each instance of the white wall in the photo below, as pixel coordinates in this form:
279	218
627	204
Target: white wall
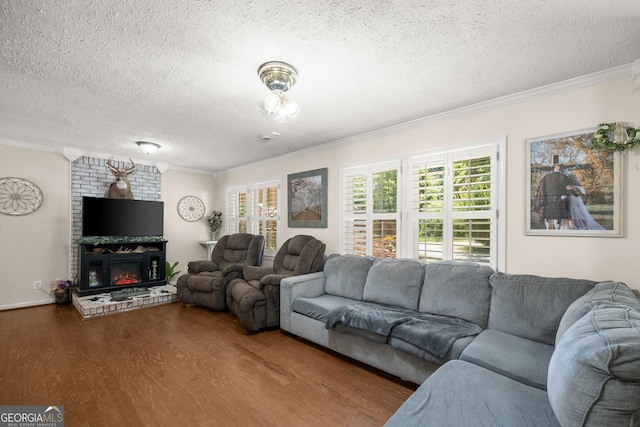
580	257
183	236
35	246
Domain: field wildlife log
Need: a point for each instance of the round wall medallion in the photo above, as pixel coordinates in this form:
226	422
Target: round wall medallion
191	208
19	196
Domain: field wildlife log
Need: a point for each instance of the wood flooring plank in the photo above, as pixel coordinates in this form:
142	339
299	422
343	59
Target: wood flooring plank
182	365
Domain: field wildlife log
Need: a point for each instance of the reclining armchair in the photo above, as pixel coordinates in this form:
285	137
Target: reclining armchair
206	281
255	298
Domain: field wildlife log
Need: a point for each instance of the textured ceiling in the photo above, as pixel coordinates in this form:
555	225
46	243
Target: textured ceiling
98	75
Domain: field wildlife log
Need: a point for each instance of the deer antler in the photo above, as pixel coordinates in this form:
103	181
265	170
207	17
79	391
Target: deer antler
116	171
131	170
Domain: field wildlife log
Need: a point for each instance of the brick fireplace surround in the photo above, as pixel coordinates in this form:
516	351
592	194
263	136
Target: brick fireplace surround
100	305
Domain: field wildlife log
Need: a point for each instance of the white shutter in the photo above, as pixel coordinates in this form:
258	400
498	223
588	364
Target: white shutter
264	218
370	215
427	198
236	215
453	205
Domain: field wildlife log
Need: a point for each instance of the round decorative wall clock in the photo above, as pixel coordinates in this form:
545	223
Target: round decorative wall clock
19	196
191	208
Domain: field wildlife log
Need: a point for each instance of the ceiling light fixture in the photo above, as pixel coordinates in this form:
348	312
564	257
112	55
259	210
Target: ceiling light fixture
279	77
148	147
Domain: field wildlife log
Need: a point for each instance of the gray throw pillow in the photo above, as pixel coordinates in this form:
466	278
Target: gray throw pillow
457	289
395	282
531	306
346	275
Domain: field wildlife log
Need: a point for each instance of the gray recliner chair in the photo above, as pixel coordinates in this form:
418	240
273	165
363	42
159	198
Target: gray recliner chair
255	298
206	281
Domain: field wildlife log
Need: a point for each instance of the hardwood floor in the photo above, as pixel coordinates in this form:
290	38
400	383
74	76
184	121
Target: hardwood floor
176	365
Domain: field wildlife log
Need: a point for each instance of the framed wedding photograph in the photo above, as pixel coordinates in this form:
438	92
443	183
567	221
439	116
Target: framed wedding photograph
307	197
573	188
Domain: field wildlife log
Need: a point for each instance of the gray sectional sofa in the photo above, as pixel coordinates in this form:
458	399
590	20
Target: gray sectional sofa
487	348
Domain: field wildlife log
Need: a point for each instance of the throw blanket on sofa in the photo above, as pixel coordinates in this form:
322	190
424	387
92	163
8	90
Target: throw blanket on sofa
429	332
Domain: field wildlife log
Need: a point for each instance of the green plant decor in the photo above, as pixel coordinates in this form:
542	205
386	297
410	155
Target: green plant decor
170	270
215	221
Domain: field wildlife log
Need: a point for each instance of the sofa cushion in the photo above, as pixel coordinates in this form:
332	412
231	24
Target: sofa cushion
518	358
454	351
394	282
457	289
463	394
318	307
602	292
346	275
594	373
531	306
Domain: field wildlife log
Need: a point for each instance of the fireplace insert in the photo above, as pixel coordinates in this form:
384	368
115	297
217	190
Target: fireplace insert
113	266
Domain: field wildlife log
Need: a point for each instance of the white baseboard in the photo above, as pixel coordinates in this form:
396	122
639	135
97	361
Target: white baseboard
26	304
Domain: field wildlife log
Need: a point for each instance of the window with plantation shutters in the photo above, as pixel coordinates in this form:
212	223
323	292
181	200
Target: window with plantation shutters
454	206
427	200
370	210
255	209
434	207
264	214
236	215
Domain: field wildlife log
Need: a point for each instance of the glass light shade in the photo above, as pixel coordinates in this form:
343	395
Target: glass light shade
148	147
291	108
272	102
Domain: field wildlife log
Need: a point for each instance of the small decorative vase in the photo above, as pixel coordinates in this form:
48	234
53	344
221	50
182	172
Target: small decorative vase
62	296
214	236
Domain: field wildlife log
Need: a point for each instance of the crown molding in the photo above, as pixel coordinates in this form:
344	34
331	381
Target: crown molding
73	154
623	71
29	145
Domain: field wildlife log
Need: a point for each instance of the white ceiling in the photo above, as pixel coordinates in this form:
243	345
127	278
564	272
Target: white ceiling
98	75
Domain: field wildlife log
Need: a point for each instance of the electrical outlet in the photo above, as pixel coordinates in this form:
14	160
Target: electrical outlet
37	284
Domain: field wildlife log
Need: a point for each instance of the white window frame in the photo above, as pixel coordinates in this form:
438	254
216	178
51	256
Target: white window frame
255	218
252	217
496	147
369	216
232	219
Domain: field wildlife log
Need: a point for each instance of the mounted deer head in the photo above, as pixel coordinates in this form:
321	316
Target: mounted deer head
120	189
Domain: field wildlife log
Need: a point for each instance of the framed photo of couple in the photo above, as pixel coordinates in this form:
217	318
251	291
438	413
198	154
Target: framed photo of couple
573	189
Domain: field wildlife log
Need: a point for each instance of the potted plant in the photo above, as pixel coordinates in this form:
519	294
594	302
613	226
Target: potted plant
62	291
170	270
215	221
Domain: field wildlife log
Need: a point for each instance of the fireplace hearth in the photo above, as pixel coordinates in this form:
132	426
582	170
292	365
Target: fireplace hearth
113	266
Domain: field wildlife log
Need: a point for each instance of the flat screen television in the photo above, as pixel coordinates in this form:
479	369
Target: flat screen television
121	217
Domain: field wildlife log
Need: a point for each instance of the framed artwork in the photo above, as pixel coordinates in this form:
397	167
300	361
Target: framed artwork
307	197
573	188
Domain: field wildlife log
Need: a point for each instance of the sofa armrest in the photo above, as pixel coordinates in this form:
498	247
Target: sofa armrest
252	272
232	268
305	285
195	267
272	279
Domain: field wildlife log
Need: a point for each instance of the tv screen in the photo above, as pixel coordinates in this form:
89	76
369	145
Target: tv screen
121	217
